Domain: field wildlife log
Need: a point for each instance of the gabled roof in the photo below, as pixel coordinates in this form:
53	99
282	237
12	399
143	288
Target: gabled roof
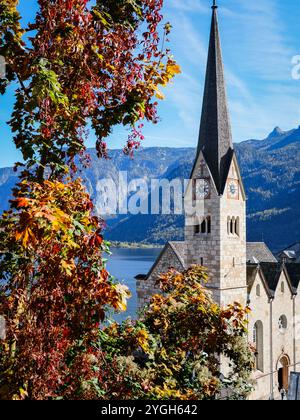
293	271
215	138
177	248
262	261
271	272
252	270
295	246
292	252
251	274
259	252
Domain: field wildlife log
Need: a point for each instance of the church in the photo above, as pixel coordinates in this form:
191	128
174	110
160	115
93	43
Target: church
215	237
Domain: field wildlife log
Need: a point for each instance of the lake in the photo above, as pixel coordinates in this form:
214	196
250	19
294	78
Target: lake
124	264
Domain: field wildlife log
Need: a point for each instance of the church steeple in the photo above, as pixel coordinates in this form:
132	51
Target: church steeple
215	220
215	139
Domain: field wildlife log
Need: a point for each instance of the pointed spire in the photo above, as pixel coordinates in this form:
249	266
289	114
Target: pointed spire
215	139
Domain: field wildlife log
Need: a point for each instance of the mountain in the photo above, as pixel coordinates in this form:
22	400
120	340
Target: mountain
271	173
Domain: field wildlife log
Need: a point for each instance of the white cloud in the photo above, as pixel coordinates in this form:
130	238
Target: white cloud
257	57
189	5
267	54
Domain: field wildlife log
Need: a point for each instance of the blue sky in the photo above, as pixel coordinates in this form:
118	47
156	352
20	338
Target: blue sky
259	40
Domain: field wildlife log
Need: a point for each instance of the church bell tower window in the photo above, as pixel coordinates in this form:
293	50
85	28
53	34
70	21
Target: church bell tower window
233	226
204	227
237	226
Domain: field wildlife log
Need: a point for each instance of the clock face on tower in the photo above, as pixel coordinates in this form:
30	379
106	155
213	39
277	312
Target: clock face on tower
233	189
202	188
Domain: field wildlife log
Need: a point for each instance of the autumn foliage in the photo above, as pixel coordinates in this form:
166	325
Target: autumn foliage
174	351
78	68
55	290
83	68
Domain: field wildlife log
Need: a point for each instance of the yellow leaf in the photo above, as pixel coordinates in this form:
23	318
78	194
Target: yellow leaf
68	267
18	236
142	340
23	393
159	95
123	294
25	235
173	69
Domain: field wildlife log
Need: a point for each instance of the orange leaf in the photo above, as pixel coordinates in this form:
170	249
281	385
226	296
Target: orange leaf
22	202
25	235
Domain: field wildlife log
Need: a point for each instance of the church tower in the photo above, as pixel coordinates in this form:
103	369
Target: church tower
215	221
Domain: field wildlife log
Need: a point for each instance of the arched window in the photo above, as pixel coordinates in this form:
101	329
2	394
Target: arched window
258	340
282	287
228	225
233	262
203	226
255	334
283	324
237	226
208	224
232	225
258	290
283	373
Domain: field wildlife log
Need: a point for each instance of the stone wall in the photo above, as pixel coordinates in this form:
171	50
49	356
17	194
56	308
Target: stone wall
223	254
233	276
260	308
147	288
276	343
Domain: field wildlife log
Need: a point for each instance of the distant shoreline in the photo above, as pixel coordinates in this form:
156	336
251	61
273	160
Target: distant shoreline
133	245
